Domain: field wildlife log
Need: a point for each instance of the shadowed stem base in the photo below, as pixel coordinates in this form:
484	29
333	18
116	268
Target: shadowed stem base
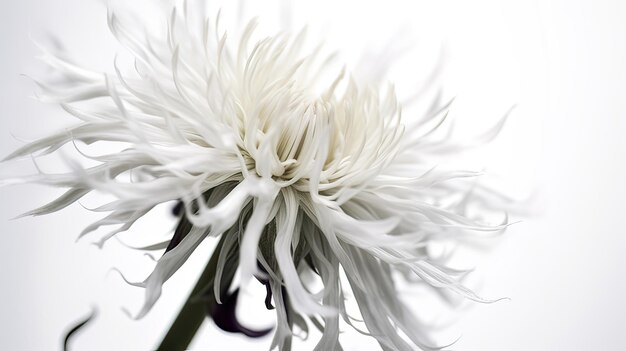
194	311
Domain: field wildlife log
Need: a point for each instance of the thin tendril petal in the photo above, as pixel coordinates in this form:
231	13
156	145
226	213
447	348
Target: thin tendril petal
77	327
268	287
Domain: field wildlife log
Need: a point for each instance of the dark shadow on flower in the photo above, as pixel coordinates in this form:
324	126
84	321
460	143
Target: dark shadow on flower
225	317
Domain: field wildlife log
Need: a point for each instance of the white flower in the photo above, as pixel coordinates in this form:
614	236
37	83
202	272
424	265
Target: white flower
301	173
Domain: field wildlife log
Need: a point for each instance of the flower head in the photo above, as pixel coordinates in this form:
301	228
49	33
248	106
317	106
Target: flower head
294	172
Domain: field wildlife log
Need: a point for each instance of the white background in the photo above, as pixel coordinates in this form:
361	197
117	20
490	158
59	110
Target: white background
562	62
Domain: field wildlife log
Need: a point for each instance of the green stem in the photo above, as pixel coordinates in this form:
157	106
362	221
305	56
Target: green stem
194	310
